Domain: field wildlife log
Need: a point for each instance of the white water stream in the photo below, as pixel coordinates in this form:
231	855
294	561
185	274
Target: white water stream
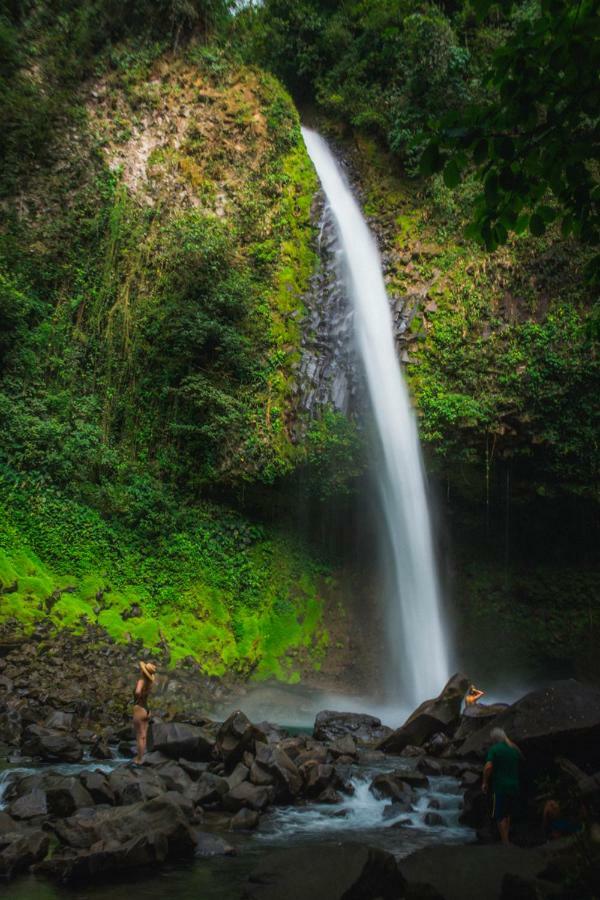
418	657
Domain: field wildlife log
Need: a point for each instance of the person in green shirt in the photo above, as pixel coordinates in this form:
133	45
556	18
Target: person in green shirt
502	770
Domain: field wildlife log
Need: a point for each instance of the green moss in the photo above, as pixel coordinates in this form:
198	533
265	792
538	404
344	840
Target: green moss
225	592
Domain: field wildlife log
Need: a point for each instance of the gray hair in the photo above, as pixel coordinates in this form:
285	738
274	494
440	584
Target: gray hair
498	735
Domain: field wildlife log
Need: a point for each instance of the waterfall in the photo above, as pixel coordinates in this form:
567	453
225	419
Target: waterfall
418	653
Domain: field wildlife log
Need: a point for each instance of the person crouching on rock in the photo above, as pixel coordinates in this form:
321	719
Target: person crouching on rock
502	769
141	713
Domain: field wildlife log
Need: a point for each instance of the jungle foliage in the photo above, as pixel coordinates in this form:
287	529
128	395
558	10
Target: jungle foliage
504	89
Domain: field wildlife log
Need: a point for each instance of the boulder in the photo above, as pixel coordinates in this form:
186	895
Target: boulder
49	794
209	789
105	859
174	777
30	805
53	746
135	785
250	795
275	761
176	739
236	735
344	746
441	714
244	820
474	718
433	818
390	787
96	783
21	849
561	719
328	871
259	776
367	731
239	774
162	817
473	872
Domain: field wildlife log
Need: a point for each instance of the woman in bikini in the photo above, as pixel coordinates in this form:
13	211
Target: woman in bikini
141	713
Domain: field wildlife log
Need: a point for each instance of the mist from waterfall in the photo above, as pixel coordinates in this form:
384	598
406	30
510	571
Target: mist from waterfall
418	658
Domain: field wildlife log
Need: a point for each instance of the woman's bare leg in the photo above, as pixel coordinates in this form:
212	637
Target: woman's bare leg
143	739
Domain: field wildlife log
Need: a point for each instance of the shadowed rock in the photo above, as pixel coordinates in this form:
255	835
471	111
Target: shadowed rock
327	872
433	716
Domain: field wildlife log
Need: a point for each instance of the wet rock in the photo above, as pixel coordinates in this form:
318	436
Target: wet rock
96	784
432	818
174	777
367	731
135	785
244	820
476	717
194	769
433	804
100	750
318	754
59	721
210	788
411	777
334	872
208	845
562	719
176	739
286	776
402	823
49	794
53	746
30	805
259	776
138	835
250	795
389	787
21	849
344	746
473	872
429	766
235	736
329	795
239	774
433	716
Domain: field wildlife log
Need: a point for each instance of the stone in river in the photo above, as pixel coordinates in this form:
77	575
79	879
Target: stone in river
20	849
327	871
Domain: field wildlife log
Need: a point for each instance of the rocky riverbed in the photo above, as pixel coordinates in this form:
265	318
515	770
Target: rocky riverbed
352	809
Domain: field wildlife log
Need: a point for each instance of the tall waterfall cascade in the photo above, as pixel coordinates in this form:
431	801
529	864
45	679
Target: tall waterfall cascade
418	655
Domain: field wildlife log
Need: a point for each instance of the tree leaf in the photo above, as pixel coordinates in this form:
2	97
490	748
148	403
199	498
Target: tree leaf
451	174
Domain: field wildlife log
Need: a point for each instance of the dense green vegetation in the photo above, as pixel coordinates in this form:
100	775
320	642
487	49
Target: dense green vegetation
155	245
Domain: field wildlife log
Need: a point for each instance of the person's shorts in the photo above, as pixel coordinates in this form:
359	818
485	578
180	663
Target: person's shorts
503	805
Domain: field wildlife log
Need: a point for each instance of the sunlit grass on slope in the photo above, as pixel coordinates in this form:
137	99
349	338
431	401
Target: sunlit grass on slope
231	595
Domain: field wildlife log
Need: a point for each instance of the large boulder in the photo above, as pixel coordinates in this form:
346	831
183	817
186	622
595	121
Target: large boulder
160	818
176	739
237	735
50	745
327	871
274	761
472	872
391	787
135	785
366	730
561	719
477	717
20	849
49	794
441	714
249	795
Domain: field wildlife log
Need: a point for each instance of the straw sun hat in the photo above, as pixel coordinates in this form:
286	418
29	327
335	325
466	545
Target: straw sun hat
148	669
